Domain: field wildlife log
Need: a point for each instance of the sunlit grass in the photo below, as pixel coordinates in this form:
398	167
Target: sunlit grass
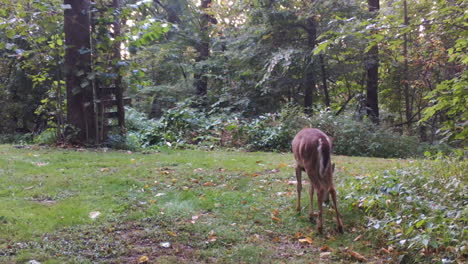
208	204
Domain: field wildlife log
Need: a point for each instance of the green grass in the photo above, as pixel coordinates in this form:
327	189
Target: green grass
211	206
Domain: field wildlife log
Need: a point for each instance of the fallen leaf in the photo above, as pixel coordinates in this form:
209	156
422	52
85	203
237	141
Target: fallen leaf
104	169
275	212
282	165
356	256
384	250
276	239
41	164
165	244
325	255
143	260
172	233
325	249
276	219
306	240
198	170
211	236
357	238
255	174
208	184
298	235
94	215
295	182
159	194
152	201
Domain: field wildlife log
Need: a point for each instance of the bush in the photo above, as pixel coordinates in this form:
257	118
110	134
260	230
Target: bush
413	208
183	126
16	138
353	137
48	137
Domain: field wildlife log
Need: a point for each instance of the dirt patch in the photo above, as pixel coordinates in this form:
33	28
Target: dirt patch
143	241
46	202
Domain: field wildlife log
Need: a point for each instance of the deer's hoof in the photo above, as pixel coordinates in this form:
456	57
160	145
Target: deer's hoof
340	229
312	217
320	230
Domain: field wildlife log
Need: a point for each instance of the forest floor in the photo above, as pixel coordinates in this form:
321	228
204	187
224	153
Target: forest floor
176	206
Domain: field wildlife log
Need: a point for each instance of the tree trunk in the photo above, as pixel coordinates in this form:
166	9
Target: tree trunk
309	80
203	48
80	104
324	81
372	66
408	110
117	57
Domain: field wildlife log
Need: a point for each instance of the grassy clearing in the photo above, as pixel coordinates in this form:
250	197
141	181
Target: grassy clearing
177	207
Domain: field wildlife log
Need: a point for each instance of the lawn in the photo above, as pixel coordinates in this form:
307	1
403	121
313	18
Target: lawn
193	206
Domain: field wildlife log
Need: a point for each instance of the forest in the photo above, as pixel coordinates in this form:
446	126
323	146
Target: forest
157	100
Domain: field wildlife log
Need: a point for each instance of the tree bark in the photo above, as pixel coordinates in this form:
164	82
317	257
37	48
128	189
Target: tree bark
324	81
171	10
408	110
372	66
309	80
203	48
116	4
80	105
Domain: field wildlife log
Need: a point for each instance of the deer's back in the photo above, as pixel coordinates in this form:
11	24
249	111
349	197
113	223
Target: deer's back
306	147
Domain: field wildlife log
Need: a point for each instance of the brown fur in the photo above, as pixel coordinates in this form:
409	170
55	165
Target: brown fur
312	151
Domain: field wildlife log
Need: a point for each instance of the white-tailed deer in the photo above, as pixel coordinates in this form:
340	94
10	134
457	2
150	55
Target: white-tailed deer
312	151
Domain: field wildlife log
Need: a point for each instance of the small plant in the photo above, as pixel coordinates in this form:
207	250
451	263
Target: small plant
420	210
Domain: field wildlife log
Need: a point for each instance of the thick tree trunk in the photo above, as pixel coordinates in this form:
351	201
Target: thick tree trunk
171	10
372	66
309	80
201	81
117	57
80	105
408	110
324	81
203	48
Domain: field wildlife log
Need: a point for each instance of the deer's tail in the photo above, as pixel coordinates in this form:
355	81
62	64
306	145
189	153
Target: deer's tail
323	154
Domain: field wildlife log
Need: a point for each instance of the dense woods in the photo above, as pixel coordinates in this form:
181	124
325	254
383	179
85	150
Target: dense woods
160	131
246	73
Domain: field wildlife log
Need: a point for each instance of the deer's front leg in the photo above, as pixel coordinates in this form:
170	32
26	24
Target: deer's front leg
339	223
320	197
311	210
299	187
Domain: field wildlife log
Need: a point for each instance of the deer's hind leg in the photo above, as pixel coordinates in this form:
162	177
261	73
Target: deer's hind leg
311	208
335	205
320	197
299	187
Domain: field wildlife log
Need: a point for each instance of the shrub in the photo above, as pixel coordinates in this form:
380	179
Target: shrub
413	208
183	126
362	138
48	137
16	138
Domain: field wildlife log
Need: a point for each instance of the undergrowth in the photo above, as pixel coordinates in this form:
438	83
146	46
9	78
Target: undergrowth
421	209
185	127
